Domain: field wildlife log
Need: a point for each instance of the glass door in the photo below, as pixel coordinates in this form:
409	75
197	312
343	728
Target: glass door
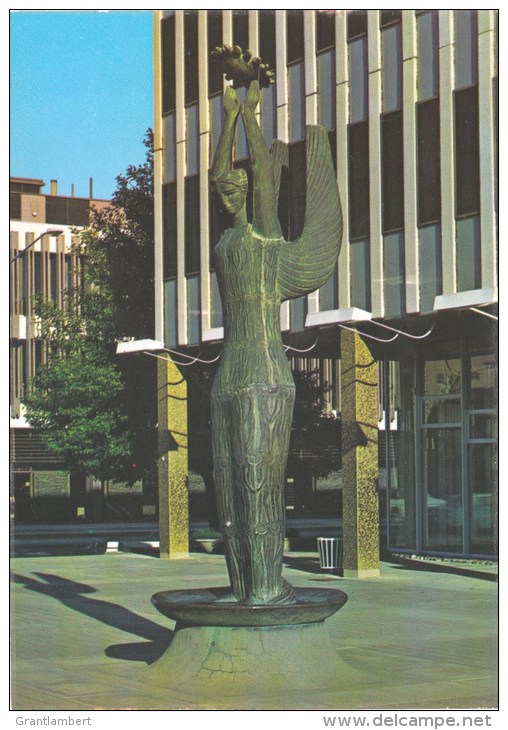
441	474
441	455
482	456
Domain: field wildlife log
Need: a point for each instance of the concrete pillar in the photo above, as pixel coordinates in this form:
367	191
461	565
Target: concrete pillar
173	463
360	513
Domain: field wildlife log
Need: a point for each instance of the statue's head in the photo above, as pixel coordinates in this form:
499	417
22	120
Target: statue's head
232	187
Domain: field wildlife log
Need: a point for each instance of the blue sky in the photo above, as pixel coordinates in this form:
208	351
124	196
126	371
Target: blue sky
81	88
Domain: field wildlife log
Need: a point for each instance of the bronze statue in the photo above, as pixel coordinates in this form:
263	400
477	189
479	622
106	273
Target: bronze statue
253	391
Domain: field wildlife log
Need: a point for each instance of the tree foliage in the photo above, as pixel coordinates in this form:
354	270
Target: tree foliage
315	444
94	409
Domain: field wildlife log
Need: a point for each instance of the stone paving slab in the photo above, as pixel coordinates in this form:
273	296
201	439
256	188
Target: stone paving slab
84	634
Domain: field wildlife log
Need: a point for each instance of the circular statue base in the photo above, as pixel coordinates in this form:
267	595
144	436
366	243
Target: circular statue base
224	649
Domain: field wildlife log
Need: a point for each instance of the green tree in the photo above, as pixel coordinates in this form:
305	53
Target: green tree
95	410
314	448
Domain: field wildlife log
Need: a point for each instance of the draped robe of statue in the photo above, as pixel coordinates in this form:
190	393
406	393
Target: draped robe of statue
253	391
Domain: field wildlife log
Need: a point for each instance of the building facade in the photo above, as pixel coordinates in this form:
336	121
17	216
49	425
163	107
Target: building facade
41	265
410	101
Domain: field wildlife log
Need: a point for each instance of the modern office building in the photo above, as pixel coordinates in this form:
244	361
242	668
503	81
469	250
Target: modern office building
41	264
410	101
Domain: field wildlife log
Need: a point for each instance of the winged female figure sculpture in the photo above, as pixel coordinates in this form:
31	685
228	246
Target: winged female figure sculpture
253	390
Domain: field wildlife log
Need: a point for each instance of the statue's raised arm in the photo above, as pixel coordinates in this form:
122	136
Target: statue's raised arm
265	220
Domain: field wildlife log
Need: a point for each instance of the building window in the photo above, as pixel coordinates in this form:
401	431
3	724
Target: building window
298	312
24	263
482	450
356	23
191	42
297	188
192	139
391	41
467	153
326	86
294	34
325	29
38	352
430	265
170	313
193	310
241	28
192	225
466	48
56	210
216	317
78	212
267	54
267	37
328	293
15	206
358	176
241	146
441	453
358	80
428	152
214	29
168	63
332	139
170	148
169	230
269	115
53	279
359	255
296	92
428	55
392	171
68	271
67	211
393	273
389	17
468	253
217	114
296	74
37	273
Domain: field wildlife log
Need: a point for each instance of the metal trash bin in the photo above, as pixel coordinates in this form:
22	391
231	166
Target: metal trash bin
330	552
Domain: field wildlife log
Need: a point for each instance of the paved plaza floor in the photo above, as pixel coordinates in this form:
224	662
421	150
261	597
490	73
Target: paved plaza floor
84	634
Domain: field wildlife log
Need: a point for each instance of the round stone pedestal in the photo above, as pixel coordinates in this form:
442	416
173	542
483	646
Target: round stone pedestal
224	649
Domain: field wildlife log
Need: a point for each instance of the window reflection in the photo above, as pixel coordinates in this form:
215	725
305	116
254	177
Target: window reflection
170	313
326	86
428	55
442	376
442	488
296	91
216	319
192	139
358	80
193	310
391	39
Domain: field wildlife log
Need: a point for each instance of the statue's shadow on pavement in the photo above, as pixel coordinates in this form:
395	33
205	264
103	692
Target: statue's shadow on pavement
74	596
141	651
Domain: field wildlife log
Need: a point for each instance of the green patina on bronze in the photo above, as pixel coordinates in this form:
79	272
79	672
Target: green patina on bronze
253	391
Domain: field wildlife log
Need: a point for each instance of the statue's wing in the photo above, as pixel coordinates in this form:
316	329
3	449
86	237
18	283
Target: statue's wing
307	263
280	158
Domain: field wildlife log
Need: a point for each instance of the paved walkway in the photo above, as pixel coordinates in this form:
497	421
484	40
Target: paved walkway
84	633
